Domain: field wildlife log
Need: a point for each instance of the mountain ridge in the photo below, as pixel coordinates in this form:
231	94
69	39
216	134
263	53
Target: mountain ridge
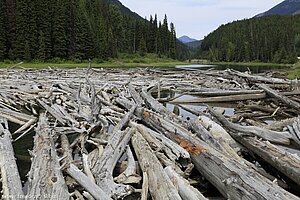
287	7
186	39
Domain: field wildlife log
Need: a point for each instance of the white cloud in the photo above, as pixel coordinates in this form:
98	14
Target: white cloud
197	18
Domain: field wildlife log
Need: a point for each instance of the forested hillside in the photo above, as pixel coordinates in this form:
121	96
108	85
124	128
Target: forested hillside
79	29
267	39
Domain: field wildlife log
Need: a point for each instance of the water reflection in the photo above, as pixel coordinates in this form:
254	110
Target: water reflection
228	108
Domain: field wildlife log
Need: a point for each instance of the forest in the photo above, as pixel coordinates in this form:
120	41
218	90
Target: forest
78	30
265	39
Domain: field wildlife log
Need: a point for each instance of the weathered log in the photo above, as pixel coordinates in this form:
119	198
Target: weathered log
213	92
53	112
272	136
242	97
167	145
213	142
226	174
16	117
45	176
155	105
137	98
160	185
103	168
256	78
186	191
295	131
219	133
145	186
282	160
172	149
10	178
282	98
86	182
78	175
25	126
129	175
214	129
280	125
269	110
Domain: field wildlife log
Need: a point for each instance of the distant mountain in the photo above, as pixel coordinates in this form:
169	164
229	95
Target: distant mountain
287	7
194	45
186	39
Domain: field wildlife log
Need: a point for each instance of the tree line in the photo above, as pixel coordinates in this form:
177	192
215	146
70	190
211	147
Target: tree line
267	39
79	29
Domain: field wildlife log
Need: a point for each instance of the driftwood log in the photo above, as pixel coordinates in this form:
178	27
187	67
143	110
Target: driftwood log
92	126
45	176
12	187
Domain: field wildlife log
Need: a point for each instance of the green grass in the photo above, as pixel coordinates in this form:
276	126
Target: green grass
295	72
123	61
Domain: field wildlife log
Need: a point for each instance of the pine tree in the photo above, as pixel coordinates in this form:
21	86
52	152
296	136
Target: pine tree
165	35
42	47
44	26
84	45
143	47
2	31
10	14
46	29
151	35
22	30
59	32
27	54
111	50
172	42
115	19
32	18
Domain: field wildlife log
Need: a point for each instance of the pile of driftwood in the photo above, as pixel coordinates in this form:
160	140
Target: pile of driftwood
106	134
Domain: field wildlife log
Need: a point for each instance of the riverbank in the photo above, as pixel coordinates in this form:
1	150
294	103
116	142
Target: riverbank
295	72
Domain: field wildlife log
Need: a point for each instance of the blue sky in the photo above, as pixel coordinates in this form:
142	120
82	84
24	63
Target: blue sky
197	18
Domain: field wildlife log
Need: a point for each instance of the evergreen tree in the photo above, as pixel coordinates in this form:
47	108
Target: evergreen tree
82	29
59	32
44	26
2	31
10	18
42	47
267	39
32	35
84	45
143	47
172	42
27	54
116	26
22	30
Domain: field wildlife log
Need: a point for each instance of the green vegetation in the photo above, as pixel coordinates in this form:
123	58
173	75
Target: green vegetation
80	29
295	72
123	61
273	39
